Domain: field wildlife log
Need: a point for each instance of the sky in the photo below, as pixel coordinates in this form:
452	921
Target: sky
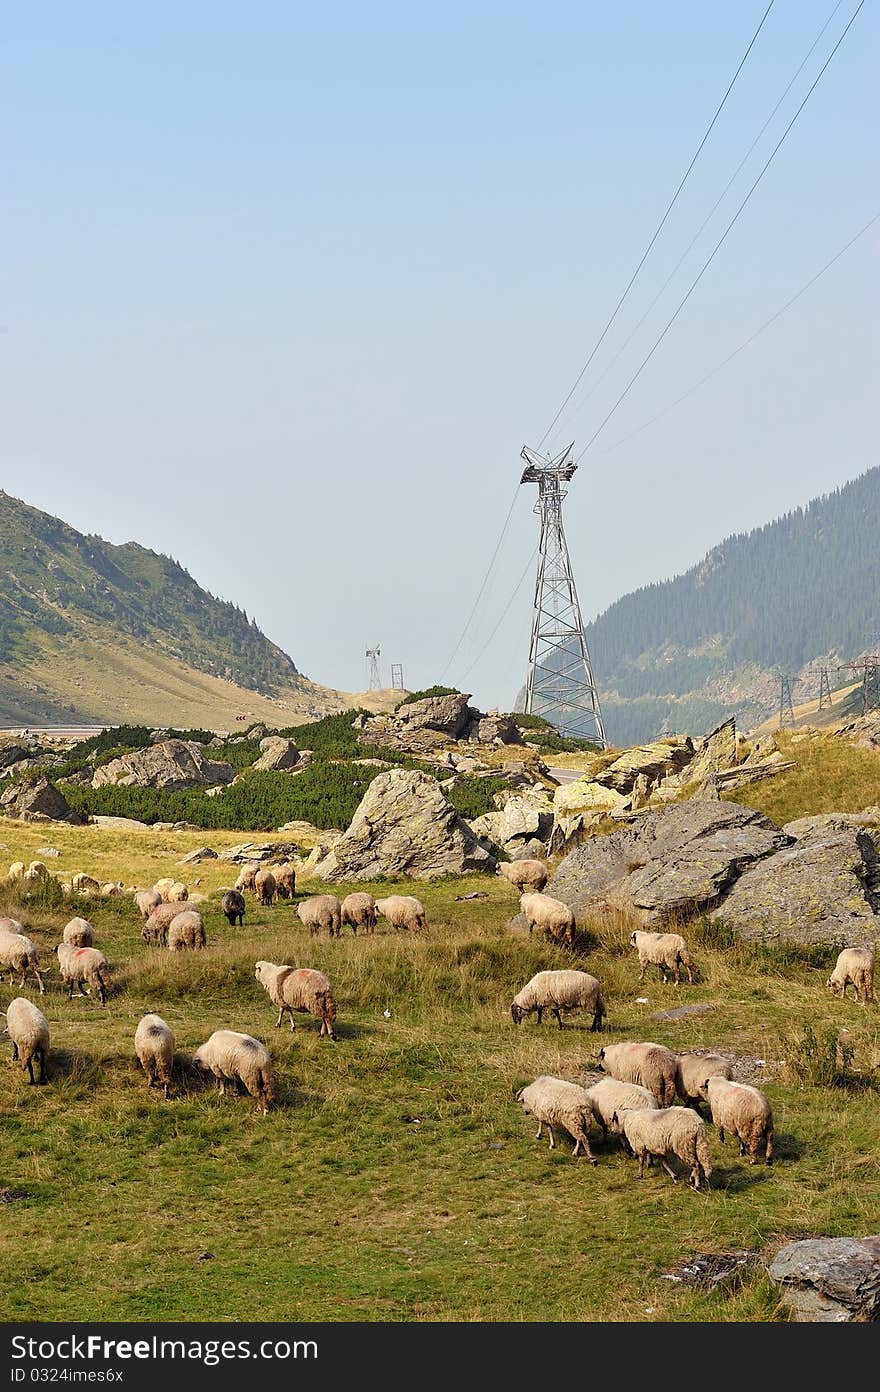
286	288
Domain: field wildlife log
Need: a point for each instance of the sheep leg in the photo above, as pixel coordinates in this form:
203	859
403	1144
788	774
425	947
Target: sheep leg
642	972
641	1165
721	1134
540	1130
540	1013
14	1052
280	1018
552	1137
30	1069
668	1168
675	972
42	1058
558	1016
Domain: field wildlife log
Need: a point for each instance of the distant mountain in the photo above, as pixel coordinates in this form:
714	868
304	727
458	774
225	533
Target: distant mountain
800	592
99	632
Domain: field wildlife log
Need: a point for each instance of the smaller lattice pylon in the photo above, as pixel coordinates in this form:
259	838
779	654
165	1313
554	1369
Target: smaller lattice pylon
786	709
374	680
824	689
397	676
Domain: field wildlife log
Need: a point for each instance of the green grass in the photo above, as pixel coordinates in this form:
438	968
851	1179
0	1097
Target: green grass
397	1179
830	775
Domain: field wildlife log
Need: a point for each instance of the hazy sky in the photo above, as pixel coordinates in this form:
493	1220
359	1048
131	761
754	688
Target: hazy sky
286	288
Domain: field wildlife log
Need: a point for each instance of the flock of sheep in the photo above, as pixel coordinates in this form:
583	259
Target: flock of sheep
634	1102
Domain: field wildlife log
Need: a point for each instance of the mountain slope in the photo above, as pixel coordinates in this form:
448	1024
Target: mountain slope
104	633
801	590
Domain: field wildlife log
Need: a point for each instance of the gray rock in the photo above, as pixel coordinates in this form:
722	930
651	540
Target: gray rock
830	1279
451	715
11	754
667	864
277	753
203	853
826	823
37	802
498	727
523	816
821	889
171	764
252	850
717	751
405	826
652	761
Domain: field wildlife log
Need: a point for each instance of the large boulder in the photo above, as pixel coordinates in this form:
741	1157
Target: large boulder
824	888
405	826
11	754
172	764
830	1280
39	801
525	816
451	715
500	728
276	752
717	751
654	761
667	864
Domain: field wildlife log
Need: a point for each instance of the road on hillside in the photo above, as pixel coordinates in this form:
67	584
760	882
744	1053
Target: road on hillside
560	775
65	731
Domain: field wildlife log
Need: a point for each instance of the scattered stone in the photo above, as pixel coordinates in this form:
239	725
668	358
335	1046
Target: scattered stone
272	850
405	826
830	1280
124	824
203	853
172	764
47	852
13	1195
709	1269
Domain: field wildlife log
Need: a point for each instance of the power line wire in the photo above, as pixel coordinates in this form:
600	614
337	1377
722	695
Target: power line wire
504	613
746	343
483	586
658	229
717	247
707	219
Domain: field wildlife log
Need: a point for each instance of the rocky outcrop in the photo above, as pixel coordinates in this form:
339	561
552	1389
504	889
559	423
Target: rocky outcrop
667	864
653	761
497	729
277	753
830	1280
172	764
420	727
824	888
253	850
523	818
405	826
39	801
194	857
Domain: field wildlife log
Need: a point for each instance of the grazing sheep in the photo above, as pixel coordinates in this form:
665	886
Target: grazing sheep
854	967
668	1131
298	988
241	1059
745	1111
663	950
246	877
147	900
285	880
359	911
155	930
37	871
265	886
233	906
16	871
522	873
554	1102
550	915
28	1029
321	911
652	1066
19	954
154	1046
11	925
83	966
178	893
162	887
79	933
691	1072
186	930
609	1095
403	911
111	888
84	884
557	991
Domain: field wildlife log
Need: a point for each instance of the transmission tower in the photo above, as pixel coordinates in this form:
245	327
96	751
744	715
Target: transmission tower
869	667
786	709
560	684
374	681
824	689
397	677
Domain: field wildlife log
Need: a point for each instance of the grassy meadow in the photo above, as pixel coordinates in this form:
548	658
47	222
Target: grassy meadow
397	1178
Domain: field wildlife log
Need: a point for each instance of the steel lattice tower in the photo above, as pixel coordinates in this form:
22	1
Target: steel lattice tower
374	680
560	686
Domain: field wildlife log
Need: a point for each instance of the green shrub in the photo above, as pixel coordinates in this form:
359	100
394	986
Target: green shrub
428	691
818	1058
473	797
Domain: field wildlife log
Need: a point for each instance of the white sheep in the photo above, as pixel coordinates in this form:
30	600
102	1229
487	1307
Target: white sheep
111	889
19	954
238	1058
359	911
550	915
285	880
663	950
81	883
16	871
246	877
28	1029
154	1046
37	870
854	967
11	925
79	933
557	991
745	1111
521	873
186	930
403	911
265	886
83	966
147	900
155	930
667	1131
555	1102
691	1072
610	1095
652	1066
321	911
298	988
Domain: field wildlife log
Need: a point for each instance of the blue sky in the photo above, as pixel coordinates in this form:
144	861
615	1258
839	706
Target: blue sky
286	289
